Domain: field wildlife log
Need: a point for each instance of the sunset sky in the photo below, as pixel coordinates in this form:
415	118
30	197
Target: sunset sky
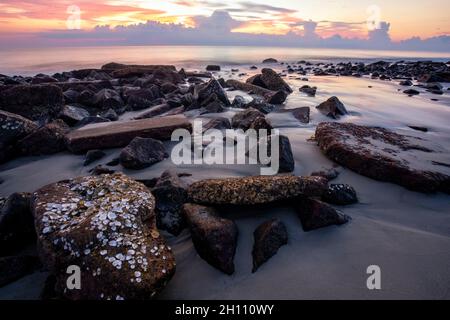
345	17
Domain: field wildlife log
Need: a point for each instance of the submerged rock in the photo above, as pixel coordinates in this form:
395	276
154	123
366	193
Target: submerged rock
106	225
270	60
315	214
255	190
411	92
214	238
212	67
142	153
170	194
384	155
16	224
340	194
310	91
332	108
92	156
269	237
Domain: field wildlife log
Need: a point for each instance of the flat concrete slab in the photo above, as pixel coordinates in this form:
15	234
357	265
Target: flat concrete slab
109	135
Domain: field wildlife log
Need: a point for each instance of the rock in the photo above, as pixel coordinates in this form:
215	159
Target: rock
315	214
302	114
384	155
87	98
99	170
254	190
168	87
287	162
92	156
260	123
239	102
106	99
119	134
256	81
214	106
35	102
329	174
270	60
43	78
162	75
273	81
340	194
72	114
406	83
244	119
310	91
218	124
143	98
214	238
15	267
332	108
170	194
16	224
114	162
12	128
269	237
91	120
48	139
411	92
120	251
212	67
142	153
71	96
274	97
418	128
261	105
110	114
153	111
204	92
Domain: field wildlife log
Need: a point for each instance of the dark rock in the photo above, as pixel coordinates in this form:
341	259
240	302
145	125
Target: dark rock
99	170
214	238
239	102
244	119
213	68
302	114
286	160
406	83
255	190
332	108
92	156
168	87
114	162
269	237
203	92
260	123
40	79
315	214
73	114
130	262
256	81
411	92
270	60
16	224
48	139
35	102
170	194
106	99
71	96
110	114
340	194
310	91
143	98
87	98
273	97
383	155
15	267
142	153
329	174
273	81
153	111
261	105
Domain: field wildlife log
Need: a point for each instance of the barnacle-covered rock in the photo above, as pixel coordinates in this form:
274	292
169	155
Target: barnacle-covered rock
105	225
255	190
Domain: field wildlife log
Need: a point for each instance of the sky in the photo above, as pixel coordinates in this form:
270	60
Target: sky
341	21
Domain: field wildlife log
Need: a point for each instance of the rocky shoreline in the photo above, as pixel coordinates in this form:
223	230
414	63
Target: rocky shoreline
109	224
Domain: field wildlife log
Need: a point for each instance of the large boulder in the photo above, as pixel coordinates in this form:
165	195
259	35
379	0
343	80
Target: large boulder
106	226
16	223
332	108
108	98
269	237
48	139
214	238
315	214
12	128
384	155
35	102
244	119
142	153
170	193
205	91
73	114
143	98
255	190
273	81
